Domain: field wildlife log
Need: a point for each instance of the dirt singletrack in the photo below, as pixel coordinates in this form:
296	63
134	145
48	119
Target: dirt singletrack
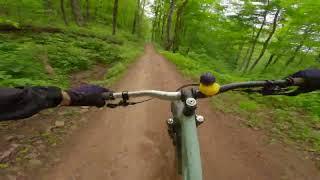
132	143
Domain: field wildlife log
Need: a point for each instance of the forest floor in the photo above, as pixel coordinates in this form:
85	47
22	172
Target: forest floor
133	142
27	144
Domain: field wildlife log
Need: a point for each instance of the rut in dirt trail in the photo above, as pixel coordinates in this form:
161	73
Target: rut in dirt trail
132	143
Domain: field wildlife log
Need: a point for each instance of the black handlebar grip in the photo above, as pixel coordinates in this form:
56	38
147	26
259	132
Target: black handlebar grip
108	96
298	81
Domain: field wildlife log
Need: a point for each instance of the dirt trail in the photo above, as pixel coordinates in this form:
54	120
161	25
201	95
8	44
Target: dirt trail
132	143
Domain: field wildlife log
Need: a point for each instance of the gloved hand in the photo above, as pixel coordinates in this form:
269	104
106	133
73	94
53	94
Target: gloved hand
87	95
311	78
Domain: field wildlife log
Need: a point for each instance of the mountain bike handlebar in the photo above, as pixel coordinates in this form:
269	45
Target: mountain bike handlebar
151	93
253	84
171	96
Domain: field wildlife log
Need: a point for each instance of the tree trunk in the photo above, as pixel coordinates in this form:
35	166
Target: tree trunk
97	7
157	20
318	58
159	27
87	10
291	59
301	58
244	61
266	43
168	43
269	61
4	9
178	27
115	16
19	8
188	50
256	40
239	53
142	9
76	11
154	23
63	12
47	4
276	59
163	26
136	18
140	19
297	49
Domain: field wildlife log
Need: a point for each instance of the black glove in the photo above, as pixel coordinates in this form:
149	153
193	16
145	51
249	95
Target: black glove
311	81
87	95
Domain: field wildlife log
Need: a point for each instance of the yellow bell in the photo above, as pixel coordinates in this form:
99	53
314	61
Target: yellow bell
209	90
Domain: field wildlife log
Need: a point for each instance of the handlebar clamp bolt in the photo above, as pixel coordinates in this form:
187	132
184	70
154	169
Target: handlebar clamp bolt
191	102
190	106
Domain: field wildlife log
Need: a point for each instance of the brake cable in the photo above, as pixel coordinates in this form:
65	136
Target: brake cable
187	85
264	92
270	89
124	102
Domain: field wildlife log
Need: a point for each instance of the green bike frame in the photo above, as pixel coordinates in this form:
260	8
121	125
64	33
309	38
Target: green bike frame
187	144
182	128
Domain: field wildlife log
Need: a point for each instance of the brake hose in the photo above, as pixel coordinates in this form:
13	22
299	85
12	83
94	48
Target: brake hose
124	102
187	85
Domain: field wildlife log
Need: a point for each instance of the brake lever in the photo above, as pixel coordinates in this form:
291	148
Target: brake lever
124	102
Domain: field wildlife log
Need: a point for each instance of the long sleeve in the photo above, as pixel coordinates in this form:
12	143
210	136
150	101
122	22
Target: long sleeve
19	103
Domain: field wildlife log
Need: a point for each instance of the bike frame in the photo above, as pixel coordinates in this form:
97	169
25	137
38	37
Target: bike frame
183	106
190	150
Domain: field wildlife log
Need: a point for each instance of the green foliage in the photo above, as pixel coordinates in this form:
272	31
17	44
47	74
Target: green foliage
243	40
290	118
3	165
231	31
195	67
68	52
4	21
19	64
248	105
69	37
114	73
96	14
